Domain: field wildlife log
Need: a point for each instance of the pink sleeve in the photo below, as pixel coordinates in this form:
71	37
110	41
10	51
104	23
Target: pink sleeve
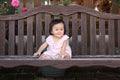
48	39
65	37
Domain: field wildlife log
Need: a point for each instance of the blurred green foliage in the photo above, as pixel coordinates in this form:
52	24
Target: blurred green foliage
6	8
119	2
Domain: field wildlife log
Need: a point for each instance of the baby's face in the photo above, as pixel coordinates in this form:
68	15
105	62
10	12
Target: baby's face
58	30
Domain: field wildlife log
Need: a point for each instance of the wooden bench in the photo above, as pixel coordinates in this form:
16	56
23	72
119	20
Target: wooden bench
94	37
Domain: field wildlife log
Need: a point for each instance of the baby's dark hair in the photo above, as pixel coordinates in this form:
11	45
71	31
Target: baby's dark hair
54	22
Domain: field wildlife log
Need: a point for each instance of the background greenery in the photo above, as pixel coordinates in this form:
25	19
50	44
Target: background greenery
6	8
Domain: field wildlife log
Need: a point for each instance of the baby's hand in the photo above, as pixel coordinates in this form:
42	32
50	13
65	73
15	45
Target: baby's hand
36	54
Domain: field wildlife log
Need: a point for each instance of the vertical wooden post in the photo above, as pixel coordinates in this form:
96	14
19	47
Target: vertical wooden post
55	1
24	3
84	2
115	9
36	3
89	3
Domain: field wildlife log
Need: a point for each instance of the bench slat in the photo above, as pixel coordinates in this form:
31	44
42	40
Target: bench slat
119	35
111	42
47	22
66	20
102	44
20	37
39	29
74	34
92	35
11	38
30	35
84	34
2	38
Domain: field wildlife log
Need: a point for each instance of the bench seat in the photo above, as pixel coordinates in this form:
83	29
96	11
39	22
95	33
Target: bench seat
80	61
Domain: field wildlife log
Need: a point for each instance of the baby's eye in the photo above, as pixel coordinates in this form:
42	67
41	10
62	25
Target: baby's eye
56	29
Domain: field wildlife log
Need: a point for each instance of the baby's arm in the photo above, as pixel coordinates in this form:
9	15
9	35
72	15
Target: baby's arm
42	47
63	48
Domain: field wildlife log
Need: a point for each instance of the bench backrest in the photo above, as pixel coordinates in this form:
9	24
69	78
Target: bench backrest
91	32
